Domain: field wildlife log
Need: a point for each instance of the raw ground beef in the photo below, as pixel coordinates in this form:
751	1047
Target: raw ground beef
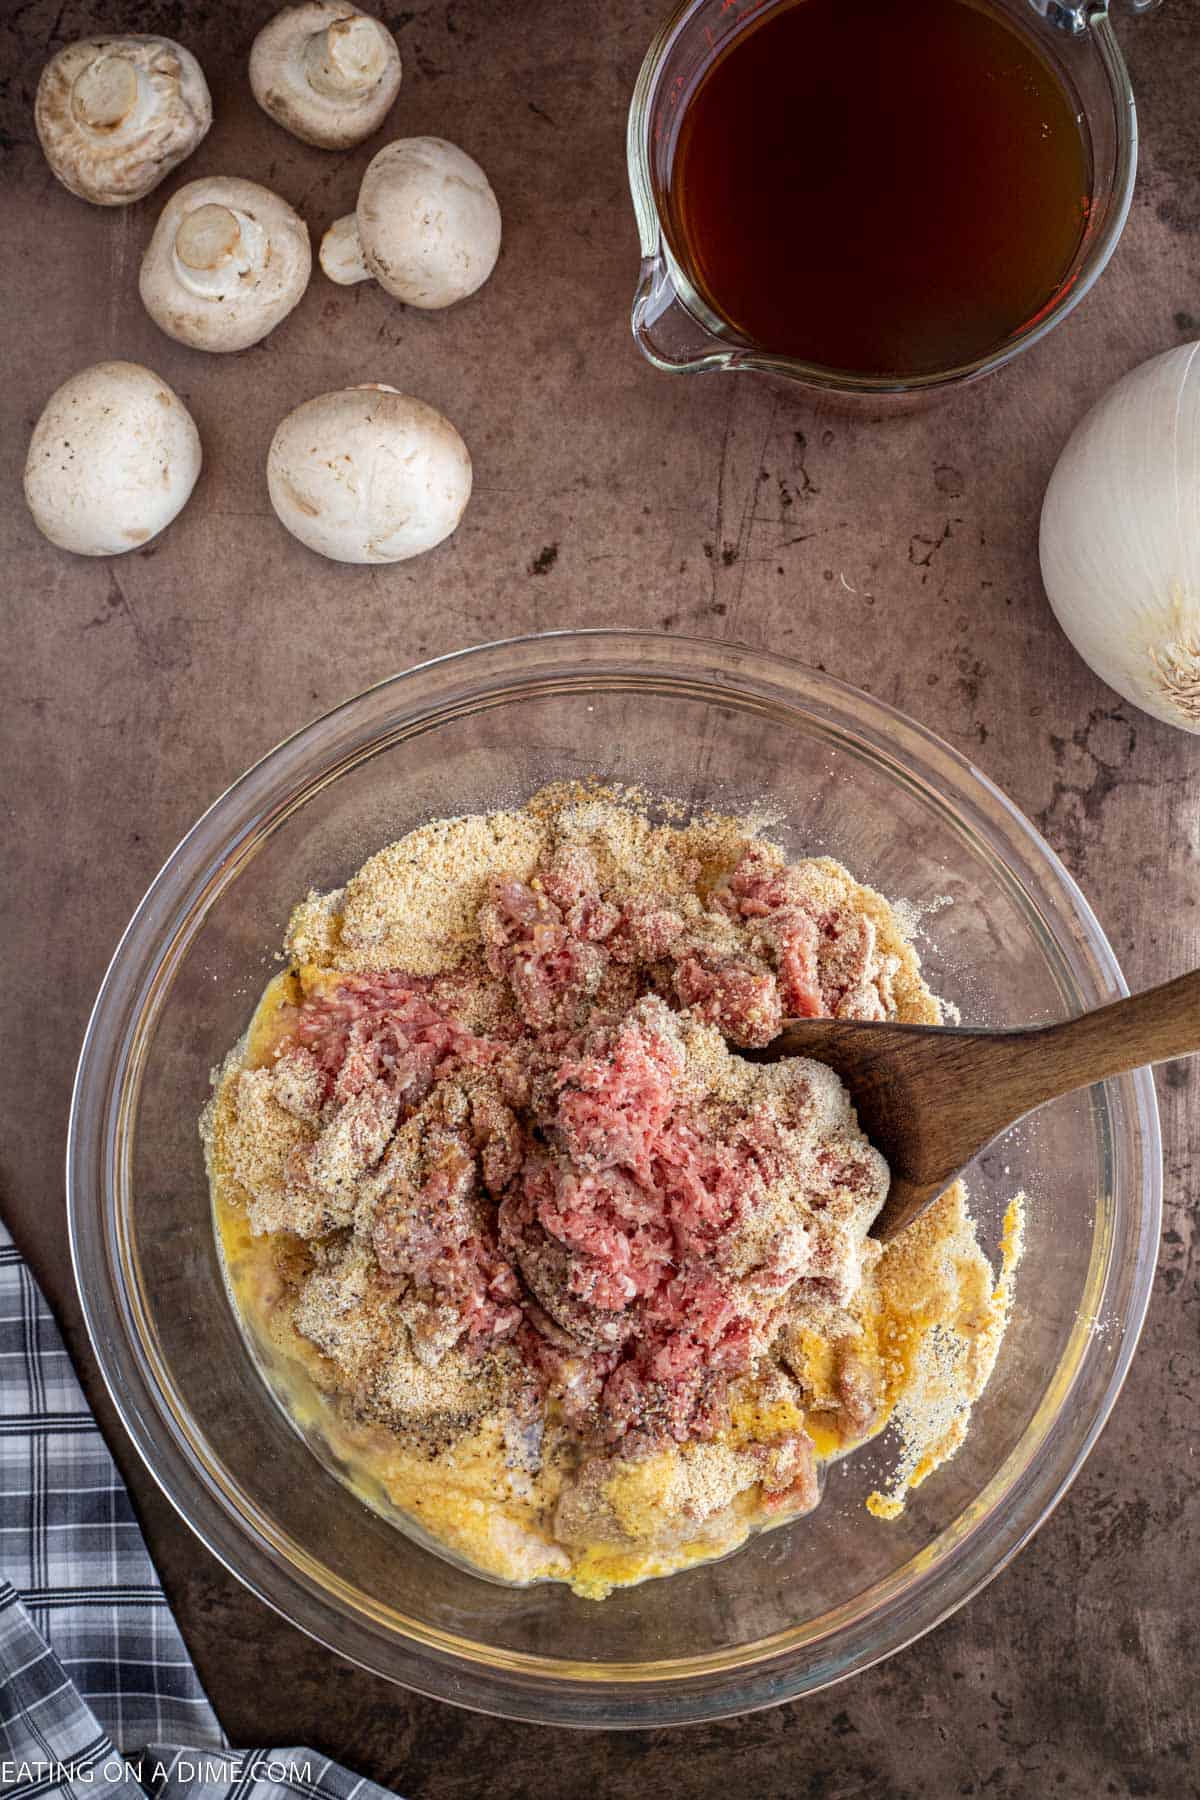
589	1178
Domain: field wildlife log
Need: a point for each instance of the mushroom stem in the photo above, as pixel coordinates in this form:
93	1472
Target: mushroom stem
207	237
104	93
342	252
215	246
347	60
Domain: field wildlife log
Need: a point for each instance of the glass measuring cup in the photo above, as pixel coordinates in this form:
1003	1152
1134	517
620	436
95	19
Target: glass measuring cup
678	331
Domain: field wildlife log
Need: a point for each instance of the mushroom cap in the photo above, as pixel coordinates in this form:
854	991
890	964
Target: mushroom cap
112	459
227	262
368	475
326	71
428	221
115	115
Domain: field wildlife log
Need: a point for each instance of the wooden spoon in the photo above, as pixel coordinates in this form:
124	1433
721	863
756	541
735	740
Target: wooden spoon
932	1097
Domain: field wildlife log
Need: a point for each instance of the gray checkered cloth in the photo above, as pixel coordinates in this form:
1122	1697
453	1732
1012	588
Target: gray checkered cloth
98	1695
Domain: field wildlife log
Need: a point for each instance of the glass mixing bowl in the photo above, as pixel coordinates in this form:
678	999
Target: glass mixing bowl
1010	939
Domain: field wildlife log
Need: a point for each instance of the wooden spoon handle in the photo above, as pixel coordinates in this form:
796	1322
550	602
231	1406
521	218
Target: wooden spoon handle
1146	1028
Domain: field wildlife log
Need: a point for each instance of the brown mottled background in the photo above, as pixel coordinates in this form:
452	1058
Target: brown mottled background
900	555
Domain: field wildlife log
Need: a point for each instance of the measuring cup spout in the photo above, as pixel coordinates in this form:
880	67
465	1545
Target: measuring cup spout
667	334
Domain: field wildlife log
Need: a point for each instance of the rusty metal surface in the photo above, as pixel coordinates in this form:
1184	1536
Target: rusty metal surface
900	555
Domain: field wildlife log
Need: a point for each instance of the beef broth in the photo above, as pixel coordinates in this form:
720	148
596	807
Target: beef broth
879	188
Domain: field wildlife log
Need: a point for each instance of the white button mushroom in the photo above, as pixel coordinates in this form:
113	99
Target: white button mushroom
227	262
112	459
368	475
116	115
427	225
326	72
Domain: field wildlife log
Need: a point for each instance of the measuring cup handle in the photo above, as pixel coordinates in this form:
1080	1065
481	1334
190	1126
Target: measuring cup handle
1077	15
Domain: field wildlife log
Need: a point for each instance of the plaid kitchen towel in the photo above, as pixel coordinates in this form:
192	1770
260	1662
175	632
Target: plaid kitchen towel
98	1695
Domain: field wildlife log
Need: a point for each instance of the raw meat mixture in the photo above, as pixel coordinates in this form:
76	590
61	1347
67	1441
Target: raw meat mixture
533	1227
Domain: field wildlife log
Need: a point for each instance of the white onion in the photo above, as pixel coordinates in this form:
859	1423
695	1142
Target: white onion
1120	539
